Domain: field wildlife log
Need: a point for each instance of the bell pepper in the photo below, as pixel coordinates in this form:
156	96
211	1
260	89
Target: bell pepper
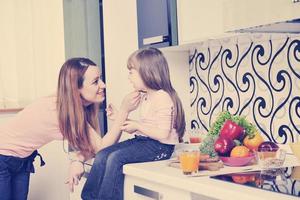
232	131
223	146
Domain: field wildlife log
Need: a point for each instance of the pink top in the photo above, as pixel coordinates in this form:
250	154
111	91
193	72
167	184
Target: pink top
158	112
30	129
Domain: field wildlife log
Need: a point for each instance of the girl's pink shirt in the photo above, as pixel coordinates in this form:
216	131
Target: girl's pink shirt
30	129
159	112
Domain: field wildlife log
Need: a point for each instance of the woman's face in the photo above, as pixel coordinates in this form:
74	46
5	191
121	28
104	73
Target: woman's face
92	90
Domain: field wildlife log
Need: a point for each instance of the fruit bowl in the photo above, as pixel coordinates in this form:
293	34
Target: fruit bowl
237	161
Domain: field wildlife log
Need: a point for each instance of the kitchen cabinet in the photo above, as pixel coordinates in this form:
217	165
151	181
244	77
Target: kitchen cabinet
139	189
156	180
199	20
253	15
157	23
177	22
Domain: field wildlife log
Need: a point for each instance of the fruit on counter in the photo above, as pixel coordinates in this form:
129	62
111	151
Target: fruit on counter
195	139
253	141
217	125
223	145
267	150
268	146
240	151
226	125
231	130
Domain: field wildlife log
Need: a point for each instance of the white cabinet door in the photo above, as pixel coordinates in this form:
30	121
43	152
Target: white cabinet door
241	14
199	20
139	189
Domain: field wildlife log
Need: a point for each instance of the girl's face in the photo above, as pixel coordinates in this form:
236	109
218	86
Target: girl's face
92	90
135	78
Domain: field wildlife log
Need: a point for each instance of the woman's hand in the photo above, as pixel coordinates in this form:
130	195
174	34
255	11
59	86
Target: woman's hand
130	126
111	112
76	170
131	101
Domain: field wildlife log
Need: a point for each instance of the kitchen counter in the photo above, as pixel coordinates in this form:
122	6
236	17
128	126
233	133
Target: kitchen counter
164	182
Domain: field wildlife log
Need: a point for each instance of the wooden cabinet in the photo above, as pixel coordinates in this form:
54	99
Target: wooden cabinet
244	14
174	22
199	20
157	23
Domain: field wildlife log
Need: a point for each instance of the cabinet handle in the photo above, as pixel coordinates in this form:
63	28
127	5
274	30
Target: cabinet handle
147	193
156	39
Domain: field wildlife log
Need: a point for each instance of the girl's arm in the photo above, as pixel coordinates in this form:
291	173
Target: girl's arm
161	121
150	131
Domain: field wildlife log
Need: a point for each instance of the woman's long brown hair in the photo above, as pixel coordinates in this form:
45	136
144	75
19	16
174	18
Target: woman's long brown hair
154	71
73	117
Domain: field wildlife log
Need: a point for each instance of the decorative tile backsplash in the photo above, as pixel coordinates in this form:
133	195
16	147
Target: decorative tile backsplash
255	75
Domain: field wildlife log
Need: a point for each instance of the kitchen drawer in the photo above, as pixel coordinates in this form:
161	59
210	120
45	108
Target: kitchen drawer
140	189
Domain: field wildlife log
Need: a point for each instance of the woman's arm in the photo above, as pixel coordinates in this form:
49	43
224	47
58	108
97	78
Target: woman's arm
111	137
129	103
76	169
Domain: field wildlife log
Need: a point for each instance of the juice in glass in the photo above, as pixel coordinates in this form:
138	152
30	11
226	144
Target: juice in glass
189	161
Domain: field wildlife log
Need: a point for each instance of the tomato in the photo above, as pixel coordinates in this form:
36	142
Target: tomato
195	139
253	143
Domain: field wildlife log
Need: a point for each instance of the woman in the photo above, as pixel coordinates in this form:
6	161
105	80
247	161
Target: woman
70	115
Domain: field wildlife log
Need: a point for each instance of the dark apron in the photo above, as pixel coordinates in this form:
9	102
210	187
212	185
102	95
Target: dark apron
15	164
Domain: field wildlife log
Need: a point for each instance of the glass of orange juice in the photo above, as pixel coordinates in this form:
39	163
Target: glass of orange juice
189	161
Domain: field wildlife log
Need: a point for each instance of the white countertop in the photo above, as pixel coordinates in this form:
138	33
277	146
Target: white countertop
159	172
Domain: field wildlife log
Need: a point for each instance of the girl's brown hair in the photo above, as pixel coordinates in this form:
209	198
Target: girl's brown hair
73	117
154	71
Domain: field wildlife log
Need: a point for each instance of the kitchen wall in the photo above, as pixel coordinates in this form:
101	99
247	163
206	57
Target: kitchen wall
254	75
32	51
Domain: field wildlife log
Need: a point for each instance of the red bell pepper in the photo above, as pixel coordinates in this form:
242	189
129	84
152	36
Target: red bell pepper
224	145
232	131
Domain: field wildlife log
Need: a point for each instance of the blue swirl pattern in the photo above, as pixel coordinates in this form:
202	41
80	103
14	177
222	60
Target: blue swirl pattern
257	77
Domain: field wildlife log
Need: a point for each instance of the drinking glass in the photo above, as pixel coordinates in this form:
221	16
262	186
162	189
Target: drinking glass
189	161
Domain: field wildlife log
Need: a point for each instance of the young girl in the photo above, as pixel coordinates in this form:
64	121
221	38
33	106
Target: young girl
69	115
160	127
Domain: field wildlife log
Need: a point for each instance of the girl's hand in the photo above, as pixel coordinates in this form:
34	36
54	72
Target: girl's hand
111	112
131	101
76	170
130	126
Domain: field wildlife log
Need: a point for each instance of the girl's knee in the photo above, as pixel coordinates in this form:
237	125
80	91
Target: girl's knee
115	158
101	157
